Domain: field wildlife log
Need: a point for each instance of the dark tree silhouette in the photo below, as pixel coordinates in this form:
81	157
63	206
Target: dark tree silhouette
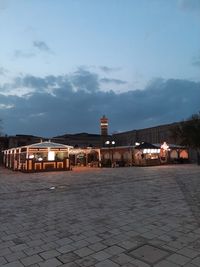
187	133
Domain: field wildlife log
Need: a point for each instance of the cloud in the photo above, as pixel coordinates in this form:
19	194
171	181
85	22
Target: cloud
76	102
3	71
116	81
42	46
196	61
6	106
3	4
85	80
39	45
189	5
23	54
37	114
108	69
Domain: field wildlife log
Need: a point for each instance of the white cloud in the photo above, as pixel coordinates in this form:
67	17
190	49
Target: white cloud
6	106
18	91
40	114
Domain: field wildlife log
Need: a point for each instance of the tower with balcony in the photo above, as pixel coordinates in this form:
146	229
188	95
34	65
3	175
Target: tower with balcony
104	125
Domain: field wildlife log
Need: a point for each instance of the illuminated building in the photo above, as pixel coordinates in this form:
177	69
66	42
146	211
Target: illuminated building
43	156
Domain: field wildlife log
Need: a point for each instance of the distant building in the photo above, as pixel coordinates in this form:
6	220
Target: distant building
79	140
153	135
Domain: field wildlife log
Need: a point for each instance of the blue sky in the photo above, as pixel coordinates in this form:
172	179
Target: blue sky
110	47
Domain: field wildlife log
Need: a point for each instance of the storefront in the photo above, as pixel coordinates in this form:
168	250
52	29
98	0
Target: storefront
118	156
44	156
178	154
146	154
85	157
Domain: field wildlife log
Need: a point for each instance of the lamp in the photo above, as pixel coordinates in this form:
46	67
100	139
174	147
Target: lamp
110	144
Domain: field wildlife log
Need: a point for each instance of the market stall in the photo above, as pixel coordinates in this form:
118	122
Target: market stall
146	154
44	156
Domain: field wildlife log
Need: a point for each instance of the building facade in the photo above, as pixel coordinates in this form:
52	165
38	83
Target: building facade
153	135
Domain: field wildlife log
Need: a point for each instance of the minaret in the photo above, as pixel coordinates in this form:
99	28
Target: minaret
104	125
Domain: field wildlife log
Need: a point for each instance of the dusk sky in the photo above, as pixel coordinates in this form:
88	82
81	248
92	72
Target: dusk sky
65	63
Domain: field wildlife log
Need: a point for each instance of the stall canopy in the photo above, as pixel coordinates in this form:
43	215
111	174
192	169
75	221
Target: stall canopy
144	145
48	144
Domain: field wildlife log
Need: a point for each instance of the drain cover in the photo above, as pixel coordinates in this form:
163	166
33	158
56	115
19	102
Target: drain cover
148	253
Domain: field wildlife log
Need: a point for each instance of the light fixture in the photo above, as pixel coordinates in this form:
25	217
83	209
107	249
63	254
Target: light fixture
165	146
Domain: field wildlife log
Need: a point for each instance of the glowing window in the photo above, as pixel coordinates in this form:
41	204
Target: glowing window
174	154
184	154
51	155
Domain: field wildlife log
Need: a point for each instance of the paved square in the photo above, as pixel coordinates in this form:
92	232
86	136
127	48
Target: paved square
95	217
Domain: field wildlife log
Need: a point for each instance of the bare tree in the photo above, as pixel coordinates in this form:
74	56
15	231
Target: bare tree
188	133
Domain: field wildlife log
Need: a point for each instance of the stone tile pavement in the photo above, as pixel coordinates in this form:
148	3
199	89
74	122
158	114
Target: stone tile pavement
101	217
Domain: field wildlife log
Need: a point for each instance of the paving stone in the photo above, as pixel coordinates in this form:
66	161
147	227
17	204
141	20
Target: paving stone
129	265
19	247
83	252
106	263
190	253
68	257
50	263
31	260
178	259
93	239
97	246
190	265
128	244
121	259
13	264
71	264
101	255
65	249
139	263
166	263
5	251
15	256
196	261
49	254
2	261
64	241
6	244
80	243
149	254
35	243
114	250
49	245
32	251
86	261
